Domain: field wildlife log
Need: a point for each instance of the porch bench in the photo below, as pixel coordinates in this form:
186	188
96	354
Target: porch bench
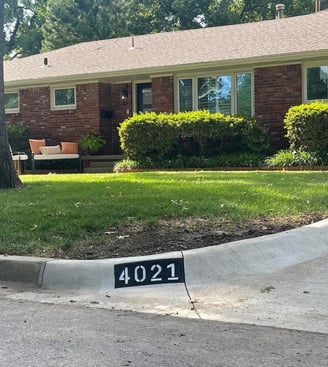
42	152
54	157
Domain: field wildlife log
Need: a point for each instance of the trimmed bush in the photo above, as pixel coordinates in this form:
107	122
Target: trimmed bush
160	137
146	135
307	128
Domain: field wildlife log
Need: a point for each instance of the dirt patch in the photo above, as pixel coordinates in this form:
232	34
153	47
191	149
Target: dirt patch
136	239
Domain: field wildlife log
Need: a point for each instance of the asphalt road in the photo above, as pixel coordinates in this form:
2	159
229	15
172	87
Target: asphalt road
39	334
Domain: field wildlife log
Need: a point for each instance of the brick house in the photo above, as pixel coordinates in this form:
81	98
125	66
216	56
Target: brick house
258	69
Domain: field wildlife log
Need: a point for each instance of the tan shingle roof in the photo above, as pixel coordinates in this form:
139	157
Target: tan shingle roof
283	39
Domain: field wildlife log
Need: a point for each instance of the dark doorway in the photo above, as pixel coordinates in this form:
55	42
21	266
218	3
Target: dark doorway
144	97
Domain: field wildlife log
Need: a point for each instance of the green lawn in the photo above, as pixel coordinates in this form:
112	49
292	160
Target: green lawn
57	211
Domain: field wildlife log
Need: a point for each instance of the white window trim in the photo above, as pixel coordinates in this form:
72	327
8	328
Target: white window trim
195	78
55	107
13	110
304	72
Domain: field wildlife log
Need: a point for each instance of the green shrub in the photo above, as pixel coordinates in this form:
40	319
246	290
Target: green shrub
125	165
307	127
92	142
146	135
160	137
290	158
18	136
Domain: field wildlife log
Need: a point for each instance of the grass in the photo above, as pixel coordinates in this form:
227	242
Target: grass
58	211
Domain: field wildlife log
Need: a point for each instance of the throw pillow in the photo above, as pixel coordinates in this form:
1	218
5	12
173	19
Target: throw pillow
35	145
69	147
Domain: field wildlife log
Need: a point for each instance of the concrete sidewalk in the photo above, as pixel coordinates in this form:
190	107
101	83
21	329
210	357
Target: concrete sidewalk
276	280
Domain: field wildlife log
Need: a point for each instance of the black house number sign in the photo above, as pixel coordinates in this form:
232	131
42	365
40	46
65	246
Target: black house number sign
149	272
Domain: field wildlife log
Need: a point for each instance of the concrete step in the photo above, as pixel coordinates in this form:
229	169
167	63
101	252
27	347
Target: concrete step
95	164
102	164
98	170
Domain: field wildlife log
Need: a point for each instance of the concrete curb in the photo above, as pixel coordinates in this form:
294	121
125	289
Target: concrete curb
90	274
22	269
202	266
262	255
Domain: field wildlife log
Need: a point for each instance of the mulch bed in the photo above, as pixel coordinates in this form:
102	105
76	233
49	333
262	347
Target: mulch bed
136	239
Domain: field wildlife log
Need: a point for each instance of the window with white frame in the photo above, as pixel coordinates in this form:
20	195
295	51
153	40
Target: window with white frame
64	98
229	93
185	95
12	102
317	83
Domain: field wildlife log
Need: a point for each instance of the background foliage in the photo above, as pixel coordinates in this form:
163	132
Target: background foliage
18	136
33	26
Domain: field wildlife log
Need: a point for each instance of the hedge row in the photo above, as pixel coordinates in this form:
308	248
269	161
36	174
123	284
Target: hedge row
199	133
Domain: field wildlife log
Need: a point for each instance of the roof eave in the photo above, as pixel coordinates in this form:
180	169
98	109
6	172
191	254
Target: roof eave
252	62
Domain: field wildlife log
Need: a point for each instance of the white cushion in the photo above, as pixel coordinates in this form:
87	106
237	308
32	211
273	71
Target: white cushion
44	157
55	149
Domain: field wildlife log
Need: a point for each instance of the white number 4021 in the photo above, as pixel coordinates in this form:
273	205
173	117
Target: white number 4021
139	274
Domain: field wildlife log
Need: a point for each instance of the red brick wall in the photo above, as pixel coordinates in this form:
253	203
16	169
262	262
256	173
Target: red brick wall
120	113
105	112
163	97
276	89
36	114
88	109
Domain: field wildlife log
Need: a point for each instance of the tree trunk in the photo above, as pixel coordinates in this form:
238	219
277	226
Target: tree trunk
8	176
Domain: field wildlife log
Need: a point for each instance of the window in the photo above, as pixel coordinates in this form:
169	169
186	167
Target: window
244	94
12	102
226	93
185	95
64	98
214	94
317	83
